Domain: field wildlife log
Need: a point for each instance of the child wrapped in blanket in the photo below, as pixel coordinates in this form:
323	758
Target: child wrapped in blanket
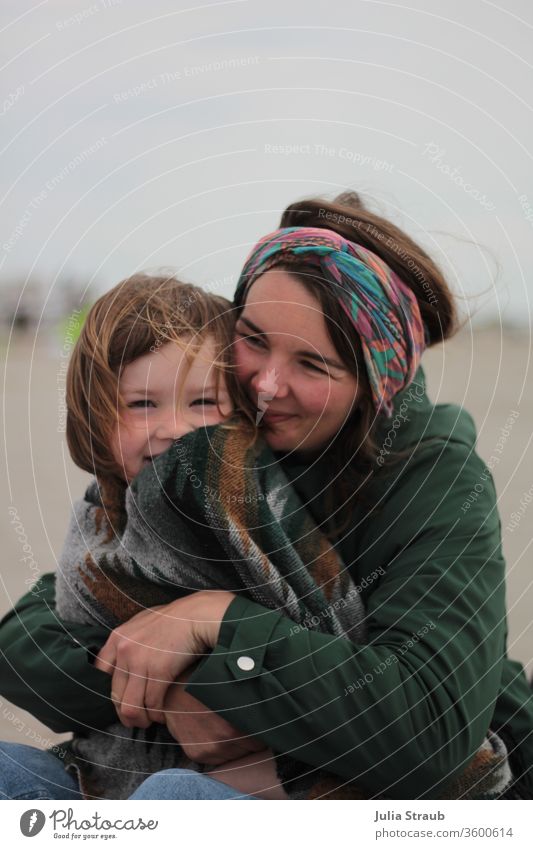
149	379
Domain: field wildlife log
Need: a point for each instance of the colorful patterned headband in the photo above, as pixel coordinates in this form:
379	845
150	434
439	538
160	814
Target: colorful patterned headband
383	310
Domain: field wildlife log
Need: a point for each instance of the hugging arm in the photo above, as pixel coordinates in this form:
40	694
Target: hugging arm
46	668
46	664
405	713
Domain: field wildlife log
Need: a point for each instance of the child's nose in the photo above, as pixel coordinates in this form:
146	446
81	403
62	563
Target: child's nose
172	427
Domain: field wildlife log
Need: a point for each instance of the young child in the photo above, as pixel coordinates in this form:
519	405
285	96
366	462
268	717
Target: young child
152	364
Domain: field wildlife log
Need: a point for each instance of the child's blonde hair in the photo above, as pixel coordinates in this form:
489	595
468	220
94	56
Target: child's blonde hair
136	317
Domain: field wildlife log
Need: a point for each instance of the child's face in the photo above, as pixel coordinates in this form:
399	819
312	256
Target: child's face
165	397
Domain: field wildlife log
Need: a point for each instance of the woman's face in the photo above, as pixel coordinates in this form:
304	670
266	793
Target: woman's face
289	367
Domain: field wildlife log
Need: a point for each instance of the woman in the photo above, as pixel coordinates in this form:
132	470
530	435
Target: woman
331	359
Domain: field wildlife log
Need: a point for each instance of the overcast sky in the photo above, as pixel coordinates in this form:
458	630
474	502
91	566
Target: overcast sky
137	135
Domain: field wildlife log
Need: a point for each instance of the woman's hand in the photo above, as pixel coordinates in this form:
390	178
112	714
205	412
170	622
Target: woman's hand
146	654
255	775
204	736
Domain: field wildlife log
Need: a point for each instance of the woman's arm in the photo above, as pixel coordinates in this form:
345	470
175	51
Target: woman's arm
248	767
151	654
146	654
45	664
46	668
409	709
255	775
406	712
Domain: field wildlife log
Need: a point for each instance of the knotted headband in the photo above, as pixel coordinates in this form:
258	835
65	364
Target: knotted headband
382	309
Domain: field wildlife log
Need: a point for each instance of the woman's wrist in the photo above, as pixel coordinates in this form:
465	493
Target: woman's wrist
208	608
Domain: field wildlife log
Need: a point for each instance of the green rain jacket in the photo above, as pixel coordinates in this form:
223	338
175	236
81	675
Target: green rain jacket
399	716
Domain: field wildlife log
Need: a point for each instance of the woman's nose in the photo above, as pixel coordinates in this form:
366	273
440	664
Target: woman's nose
269	383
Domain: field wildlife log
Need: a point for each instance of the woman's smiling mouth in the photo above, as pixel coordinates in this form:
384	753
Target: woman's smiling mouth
275	418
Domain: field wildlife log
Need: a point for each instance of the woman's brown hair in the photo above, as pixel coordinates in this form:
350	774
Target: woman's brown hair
354	448
135	318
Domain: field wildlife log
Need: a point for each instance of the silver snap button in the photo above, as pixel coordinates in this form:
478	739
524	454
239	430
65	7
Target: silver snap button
246	663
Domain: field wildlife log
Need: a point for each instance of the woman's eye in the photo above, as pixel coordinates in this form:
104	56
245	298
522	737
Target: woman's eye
142	403
254	341
313	367
201	401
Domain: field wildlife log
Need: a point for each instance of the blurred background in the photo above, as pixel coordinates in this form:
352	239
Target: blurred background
137	136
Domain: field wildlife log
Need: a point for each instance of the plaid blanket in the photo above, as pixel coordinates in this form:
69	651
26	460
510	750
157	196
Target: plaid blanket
213	512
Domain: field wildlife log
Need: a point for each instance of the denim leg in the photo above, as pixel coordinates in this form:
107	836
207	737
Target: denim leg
185	784
30	773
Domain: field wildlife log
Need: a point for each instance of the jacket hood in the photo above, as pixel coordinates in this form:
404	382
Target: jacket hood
415	419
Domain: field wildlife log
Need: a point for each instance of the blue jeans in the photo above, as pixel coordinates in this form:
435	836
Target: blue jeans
29	773
185	784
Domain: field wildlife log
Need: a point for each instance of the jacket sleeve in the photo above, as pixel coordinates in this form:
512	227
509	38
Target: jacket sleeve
46	664
404	713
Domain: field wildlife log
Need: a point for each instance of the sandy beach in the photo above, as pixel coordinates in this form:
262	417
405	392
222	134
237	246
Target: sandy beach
490	373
